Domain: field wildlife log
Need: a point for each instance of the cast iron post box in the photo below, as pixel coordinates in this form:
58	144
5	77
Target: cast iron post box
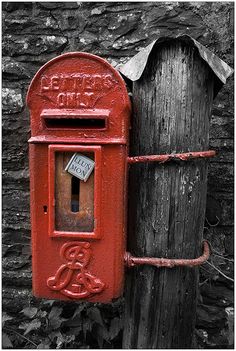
79	111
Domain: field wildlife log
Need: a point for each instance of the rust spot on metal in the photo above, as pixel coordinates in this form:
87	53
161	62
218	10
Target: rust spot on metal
131	261
172	157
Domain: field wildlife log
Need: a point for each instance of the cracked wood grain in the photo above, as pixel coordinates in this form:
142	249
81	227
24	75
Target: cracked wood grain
172	105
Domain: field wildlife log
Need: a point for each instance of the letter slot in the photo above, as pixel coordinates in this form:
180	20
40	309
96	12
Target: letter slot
75	187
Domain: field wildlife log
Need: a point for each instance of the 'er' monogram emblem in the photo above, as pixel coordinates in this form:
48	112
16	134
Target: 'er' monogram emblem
72	278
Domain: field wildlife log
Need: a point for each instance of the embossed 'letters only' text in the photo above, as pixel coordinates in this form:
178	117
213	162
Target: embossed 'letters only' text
77	90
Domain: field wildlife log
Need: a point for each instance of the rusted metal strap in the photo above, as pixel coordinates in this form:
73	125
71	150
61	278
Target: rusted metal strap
132	261
171	157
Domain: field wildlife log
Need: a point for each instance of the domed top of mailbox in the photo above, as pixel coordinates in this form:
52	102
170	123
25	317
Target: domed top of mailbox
78	96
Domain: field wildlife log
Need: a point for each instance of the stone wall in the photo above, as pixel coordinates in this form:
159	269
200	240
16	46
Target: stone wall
33	33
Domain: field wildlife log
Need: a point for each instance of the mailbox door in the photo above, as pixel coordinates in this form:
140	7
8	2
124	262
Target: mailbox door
78	228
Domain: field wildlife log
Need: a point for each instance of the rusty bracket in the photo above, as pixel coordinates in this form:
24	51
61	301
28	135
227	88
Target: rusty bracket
131	261
171	157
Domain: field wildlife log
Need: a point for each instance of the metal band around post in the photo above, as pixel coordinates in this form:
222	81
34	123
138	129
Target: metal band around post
131	261
171	157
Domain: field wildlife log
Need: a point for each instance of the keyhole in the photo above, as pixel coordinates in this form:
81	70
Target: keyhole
75	186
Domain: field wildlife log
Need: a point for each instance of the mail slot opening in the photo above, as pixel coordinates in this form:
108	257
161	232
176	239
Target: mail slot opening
75	123
75	185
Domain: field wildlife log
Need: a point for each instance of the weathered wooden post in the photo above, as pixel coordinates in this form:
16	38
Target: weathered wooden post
172	105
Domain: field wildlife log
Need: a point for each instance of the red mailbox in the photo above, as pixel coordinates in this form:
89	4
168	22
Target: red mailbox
80	111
